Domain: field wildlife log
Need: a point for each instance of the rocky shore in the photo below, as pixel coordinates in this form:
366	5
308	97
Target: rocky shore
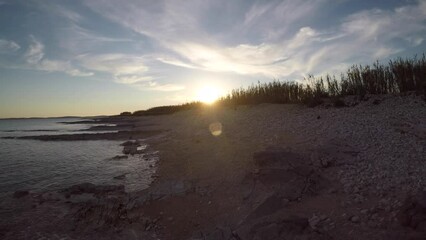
254	172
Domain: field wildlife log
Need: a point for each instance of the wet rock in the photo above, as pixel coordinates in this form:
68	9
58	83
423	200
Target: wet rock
20	194
92	188
131	143
131	149
120	157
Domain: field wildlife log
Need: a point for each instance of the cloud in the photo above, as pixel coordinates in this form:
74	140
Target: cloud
154	86
35	52
7	46
132	79
265	42
128	69
153	45
116	64
35	59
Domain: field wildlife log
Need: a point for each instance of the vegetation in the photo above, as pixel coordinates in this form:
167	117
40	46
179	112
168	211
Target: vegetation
167	109
398	76
126	114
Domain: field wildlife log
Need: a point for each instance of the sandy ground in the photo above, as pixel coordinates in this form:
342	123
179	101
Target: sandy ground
264	172
370	157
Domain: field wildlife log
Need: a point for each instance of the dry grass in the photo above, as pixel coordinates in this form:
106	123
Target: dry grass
398	76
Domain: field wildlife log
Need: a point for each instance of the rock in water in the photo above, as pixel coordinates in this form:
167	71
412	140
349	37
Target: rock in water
119	157
92	188
19	194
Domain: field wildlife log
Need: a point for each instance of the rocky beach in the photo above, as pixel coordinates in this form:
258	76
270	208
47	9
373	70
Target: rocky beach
267	171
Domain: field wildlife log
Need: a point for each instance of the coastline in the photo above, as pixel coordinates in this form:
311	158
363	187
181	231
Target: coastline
231	186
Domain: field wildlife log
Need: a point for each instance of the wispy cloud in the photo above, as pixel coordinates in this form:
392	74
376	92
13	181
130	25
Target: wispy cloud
151	45
127	69
280	52
155	86
7	46
35	59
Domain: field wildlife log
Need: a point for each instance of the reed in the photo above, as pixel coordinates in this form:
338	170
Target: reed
398	76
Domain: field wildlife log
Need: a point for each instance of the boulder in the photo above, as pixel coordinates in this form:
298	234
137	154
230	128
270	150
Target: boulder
130	149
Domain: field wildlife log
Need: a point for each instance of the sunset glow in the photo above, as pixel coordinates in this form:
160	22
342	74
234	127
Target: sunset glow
208	94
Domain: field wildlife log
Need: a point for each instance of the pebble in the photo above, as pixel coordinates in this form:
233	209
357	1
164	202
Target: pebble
313	221
364	211
355	219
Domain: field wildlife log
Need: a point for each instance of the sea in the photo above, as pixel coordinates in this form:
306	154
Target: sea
39	166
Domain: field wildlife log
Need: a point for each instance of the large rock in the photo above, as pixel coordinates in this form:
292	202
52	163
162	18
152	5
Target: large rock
131	149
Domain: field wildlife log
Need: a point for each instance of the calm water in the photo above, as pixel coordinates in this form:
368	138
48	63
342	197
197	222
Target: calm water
40	166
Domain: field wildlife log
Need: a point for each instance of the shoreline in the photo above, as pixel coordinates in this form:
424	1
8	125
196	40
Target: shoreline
345	172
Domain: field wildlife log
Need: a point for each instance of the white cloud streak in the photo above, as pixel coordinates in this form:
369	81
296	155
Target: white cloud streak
35	59
7	46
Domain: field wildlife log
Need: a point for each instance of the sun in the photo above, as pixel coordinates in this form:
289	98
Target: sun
208	94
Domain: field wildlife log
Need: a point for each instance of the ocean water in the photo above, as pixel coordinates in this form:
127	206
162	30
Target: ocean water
43	166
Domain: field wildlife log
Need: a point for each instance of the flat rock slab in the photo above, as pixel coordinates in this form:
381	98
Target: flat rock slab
285	173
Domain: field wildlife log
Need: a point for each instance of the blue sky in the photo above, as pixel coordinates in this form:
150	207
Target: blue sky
90	57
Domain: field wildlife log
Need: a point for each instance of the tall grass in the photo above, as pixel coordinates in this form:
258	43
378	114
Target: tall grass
398	76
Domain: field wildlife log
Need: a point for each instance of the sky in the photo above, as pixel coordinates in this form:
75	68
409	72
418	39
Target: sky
102	57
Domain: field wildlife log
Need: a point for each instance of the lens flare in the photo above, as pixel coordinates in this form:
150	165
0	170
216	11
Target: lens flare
215	128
